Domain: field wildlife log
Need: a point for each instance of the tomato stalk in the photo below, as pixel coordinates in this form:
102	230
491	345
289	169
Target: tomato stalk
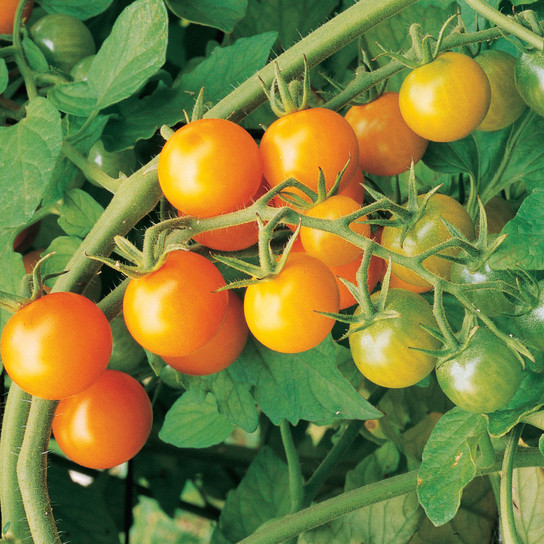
24	68
296	480
507	24
508	524
328	510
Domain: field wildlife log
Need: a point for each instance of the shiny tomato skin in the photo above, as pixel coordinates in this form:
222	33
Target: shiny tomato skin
483	377
530	324
56	346
300	143
355	188
529	79
506	104
210	167
63	39
222	350
429	231
105	425
326	246
7	14
175	310
281	312
387	145
384	351
112	163
446	99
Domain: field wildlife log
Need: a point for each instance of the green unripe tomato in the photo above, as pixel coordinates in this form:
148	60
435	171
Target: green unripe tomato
112	163
529	77
506	104
80	71
63	39
483	377
530	325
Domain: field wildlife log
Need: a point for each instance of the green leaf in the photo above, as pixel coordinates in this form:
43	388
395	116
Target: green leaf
193	424
528	399
231	389
28	153
34	56
81	511
454	157
79	211
262	495
76	8
392	521
305	386
132	53
291	20
221	14
222	70
4	75
527	493
524	245
448	463
11	270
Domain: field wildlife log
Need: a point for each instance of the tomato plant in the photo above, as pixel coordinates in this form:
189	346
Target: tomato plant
530	322
56	346
176	309
290	322
529	80
506	104
8	14
222	350
386	351
427	232
63	39
106	424
112	163
210	167
298	145
327	246
445	99
483	376
387	145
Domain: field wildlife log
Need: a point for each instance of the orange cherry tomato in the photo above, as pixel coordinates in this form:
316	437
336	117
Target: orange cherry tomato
355	188
7	14
222	350
106	424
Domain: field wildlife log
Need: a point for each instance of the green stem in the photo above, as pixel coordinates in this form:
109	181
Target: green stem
90	170
31	464
8	51
13	429
508	524
296	479
316	47
24	68
487	451
506	23
328	510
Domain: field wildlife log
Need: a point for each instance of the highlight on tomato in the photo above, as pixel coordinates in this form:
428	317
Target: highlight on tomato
56	346
210	167
222	350
445	99
176	309
106	424
426	233
299	144
387	145
387	351
282	311
327	246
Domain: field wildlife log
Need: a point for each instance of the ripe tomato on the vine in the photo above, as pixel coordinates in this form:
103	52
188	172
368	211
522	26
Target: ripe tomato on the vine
299	144
386	351
210	167
282	311
355	188
222	350
56	346
482	377
327	246
7	14
428	232
106	424
175	310
387	145
446	99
